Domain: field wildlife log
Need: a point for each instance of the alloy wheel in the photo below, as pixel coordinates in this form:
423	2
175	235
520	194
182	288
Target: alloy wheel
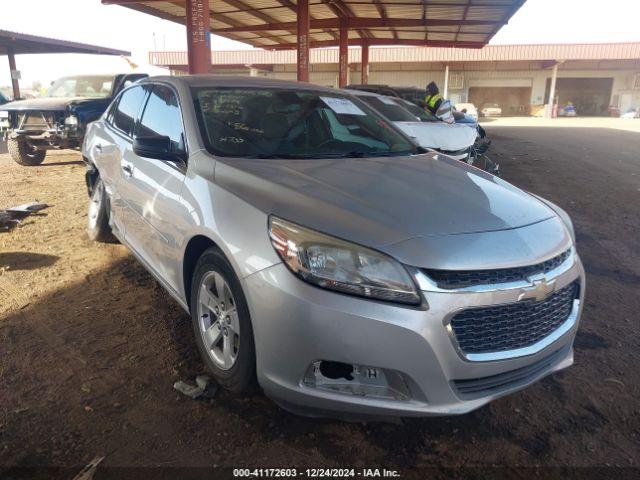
218	320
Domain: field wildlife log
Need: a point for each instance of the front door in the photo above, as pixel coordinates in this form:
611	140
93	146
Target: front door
156	217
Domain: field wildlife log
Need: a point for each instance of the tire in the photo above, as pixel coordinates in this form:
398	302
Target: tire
24	154
98	228
212	317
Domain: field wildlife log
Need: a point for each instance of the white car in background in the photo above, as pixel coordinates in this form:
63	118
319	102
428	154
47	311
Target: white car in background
491	110
468	108
455	140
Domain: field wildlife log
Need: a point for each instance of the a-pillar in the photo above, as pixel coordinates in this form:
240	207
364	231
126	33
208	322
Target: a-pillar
365	63
343	67
303	40
198	36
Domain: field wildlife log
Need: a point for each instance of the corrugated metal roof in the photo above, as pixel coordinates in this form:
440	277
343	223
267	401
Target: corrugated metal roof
451	23
23	43
490	53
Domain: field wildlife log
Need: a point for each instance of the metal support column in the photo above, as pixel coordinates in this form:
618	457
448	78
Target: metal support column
303	40
198	36
552	92
365	63
446	82
343	67
14	72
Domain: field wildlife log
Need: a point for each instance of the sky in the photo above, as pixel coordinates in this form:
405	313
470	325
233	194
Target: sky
88	21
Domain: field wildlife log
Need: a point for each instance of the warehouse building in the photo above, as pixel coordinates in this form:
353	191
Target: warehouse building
596	78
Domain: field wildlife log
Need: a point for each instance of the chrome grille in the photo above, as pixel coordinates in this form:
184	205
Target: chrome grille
517	325
452	279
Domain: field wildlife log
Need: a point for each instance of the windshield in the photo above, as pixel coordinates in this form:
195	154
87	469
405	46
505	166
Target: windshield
285	123
411	94
419	112
389	108
91	87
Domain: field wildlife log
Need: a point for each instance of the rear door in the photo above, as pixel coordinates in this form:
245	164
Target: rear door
156	215
112	149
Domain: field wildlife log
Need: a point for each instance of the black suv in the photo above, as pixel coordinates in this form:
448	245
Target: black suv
58	119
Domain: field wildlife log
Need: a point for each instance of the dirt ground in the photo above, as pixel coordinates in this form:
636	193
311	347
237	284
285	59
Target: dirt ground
90	346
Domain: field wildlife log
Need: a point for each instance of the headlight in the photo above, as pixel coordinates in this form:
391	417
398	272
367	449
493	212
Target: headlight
4	114
71	120
335	264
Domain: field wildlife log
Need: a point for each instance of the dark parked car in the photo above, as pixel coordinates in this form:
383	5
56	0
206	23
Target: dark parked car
58	119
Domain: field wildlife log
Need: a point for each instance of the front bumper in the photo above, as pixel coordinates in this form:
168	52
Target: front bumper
57	137
296	324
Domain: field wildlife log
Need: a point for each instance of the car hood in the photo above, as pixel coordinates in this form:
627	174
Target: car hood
384	200
439	135
44	104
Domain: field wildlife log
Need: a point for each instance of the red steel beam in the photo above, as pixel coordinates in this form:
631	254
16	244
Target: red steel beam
302	44
198	38
382	42
464	17
364	76
355	23
293	7
343	11
343	66
383	14
241	6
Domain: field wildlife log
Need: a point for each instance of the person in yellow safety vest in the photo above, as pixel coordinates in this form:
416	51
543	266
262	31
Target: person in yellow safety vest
437	105
433	100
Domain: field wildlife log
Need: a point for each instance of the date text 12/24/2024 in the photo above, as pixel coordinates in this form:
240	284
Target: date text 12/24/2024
315	473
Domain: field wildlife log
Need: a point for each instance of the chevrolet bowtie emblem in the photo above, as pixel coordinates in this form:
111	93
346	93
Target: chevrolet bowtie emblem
539	291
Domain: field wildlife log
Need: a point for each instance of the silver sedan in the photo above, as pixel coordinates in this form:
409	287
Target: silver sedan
325	257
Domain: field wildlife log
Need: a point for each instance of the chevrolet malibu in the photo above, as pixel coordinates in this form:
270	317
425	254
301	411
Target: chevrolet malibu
325	257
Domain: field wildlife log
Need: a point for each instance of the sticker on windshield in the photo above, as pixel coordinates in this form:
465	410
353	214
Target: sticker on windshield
342	106
388	101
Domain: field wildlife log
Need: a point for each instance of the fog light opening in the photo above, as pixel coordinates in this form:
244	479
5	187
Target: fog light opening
336	370
357	380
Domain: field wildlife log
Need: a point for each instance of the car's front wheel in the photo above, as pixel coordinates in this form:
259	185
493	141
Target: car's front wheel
222	324
24	153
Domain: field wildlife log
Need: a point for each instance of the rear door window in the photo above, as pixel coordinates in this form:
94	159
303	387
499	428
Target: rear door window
126	112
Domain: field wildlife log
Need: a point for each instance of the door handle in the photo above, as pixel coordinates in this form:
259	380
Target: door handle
99	147
128	170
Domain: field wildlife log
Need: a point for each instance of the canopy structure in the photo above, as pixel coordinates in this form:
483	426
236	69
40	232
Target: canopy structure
304	24
13	43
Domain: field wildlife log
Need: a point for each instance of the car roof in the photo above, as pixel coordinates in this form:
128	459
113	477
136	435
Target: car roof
197	81
368	85
364	93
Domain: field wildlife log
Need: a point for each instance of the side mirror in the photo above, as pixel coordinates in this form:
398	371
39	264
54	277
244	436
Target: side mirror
158	147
